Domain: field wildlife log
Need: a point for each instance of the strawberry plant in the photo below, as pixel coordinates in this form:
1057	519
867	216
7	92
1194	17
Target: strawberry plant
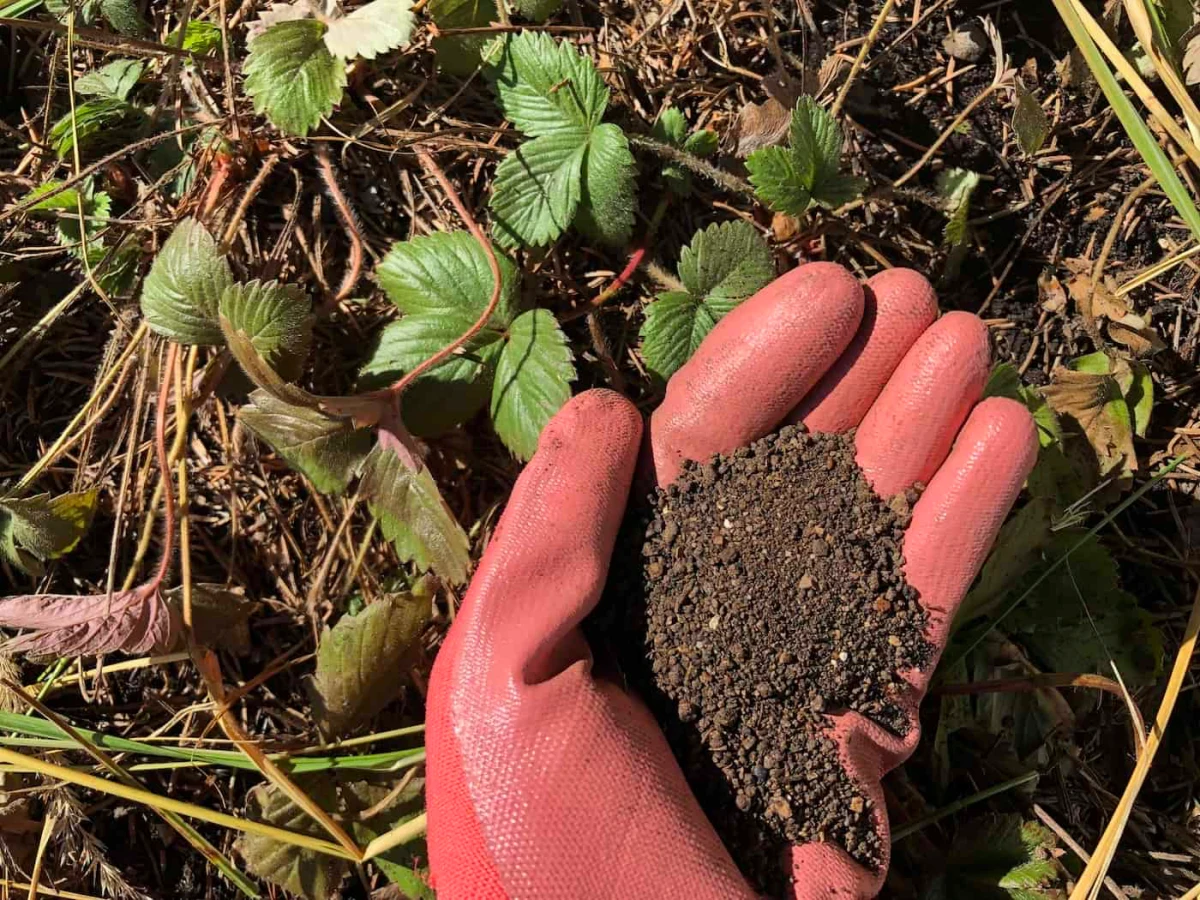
671	129
722	266
296	68
808	171
574	169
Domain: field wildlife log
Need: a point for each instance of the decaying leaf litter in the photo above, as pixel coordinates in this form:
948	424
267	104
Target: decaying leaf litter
1050	243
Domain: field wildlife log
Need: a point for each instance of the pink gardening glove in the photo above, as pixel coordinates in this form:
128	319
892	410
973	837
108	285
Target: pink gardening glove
545	782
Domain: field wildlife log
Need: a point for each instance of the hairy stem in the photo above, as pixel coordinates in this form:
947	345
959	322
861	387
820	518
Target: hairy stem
719	177
164	466
349	222
397	389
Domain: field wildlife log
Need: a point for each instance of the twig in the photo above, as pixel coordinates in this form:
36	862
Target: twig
106	41
861	58
244	204
446	352
719	177
949	130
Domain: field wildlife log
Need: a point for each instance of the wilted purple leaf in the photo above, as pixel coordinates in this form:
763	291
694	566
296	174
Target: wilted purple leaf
136	621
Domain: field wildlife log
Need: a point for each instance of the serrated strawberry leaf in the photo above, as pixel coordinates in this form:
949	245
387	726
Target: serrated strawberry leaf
327	450
115	80
461	54
777	181
537	188
198	37
726	261
275	318
359	659
97	123
722	266
67	200
993	858
412	513
377	27
670	127
608	191
546	86
448	394
40	528
535	10
124	16
676	323
308	873
182	293
292	77
448	274
533	380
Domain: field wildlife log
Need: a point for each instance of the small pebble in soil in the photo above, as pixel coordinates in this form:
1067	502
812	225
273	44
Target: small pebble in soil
765	591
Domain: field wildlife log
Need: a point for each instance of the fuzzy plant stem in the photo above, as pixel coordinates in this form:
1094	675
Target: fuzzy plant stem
397	389
719	177
164	467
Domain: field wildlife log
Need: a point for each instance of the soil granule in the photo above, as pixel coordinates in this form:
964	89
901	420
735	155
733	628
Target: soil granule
771	594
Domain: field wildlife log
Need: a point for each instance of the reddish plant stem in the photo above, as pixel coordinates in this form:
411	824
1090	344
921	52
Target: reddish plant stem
164	467
349	222
397	389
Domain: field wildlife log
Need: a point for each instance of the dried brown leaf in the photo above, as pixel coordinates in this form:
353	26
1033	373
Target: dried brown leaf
136	621
1134	333
765	124
1191	54
1051	293
1096	404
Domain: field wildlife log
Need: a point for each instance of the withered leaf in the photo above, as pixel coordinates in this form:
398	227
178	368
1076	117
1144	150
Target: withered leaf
1096	404
1051	294
136	621
766	124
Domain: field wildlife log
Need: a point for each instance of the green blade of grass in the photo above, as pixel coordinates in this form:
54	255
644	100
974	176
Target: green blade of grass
1137	129
43	734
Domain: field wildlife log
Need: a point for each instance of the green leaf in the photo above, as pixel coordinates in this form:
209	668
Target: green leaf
124	16
448	274
722	266
955	187
838	189
448	394
199	37
275	318
777	181
401	865
41	527
1140	397
670	127
461	54
68	199
676	323
115	80
327	450
1079	617
360	661
1029	122
995	858
312	875
816	143
1005	381
537	188
119	272
607	200
292	77
182	293
412	513
533	378
96	210
702	143
535	10
98	123
546	86
729	261
1021	544
371	29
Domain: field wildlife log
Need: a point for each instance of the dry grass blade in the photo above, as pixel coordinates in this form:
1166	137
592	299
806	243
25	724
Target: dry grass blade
193	837
1091	880
210	669
1139	19
158	802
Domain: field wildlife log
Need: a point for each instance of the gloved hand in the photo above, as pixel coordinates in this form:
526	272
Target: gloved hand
545	782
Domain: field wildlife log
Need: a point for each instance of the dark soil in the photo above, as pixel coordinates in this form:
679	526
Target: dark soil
771	595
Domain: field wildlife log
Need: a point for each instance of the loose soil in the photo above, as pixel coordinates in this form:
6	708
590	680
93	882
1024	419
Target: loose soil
771	595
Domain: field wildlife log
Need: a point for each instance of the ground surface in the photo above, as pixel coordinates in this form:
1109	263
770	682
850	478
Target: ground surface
306	558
